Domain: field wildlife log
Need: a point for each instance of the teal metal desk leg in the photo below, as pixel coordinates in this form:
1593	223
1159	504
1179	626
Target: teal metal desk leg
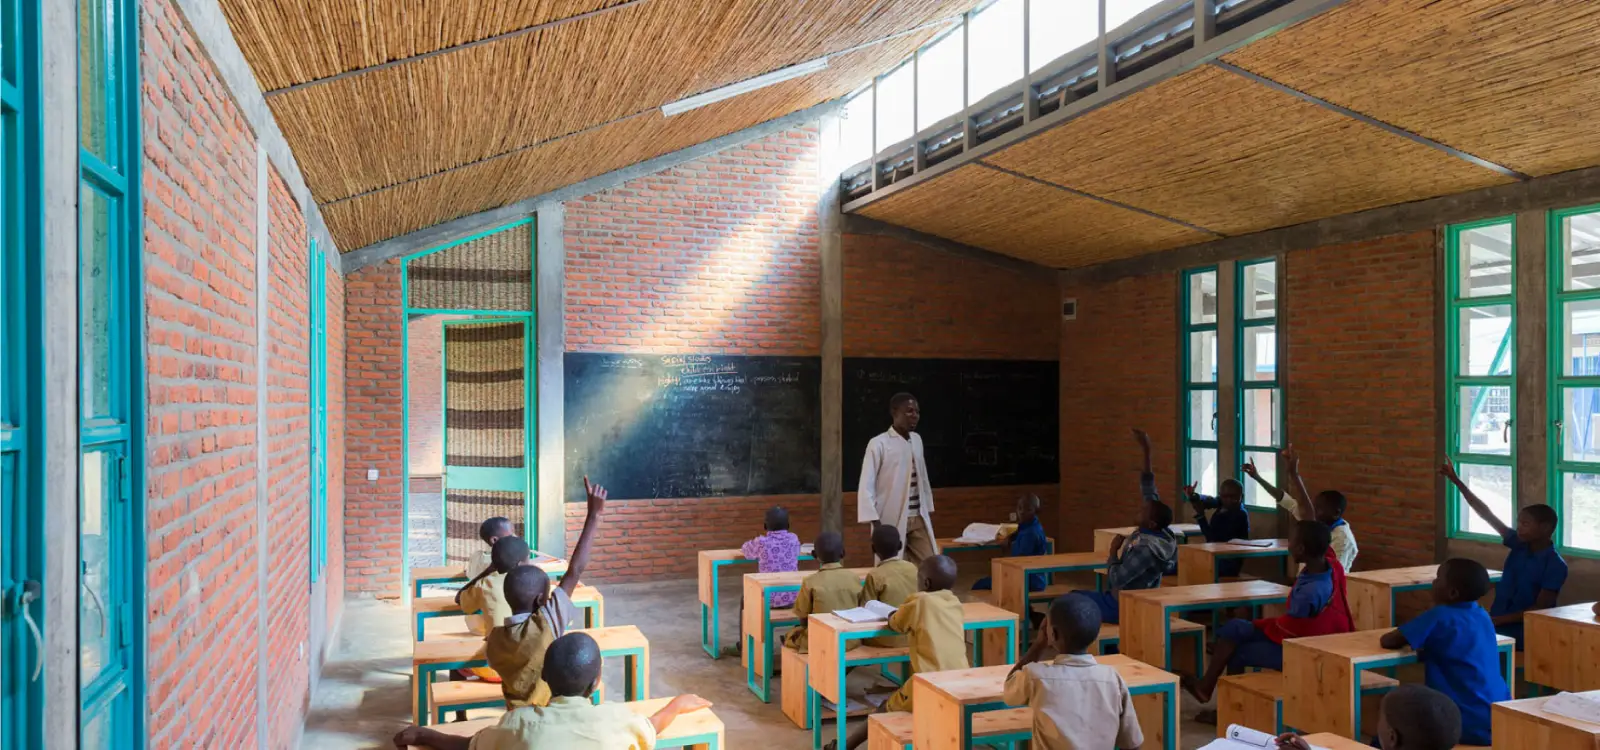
1169	718
711	632
706	631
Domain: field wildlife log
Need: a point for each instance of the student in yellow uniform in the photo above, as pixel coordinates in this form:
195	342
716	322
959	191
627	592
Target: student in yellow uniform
570	722
490	531
516	649
935	623
892	582
830	588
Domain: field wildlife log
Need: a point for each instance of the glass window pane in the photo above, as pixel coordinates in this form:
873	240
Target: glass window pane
1260	298
1580	242
1203	298
855	129
1582	356
1261	417
1203	357
1580	415
939	79
97	285
1485	420
995	49
1485	261
96	625
1203	470
94	90
97	731
1056	27
896	121
1493	485
1266	465
1202	415
1486	341
1580	517
1260	352
1119	12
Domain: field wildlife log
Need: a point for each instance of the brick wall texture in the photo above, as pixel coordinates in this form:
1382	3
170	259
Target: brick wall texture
200	257
373	525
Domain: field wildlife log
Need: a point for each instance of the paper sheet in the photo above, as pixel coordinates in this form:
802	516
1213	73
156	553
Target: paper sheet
979	533
1263	543
1581	706
872	611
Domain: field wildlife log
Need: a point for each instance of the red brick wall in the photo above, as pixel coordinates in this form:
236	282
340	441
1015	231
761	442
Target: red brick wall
1361	388
1119	371
199	182
334	576
372	516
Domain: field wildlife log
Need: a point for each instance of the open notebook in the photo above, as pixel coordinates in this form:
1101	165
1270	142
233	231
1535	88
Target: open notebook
1262	543
1581	706
872	611
979	533
1245	738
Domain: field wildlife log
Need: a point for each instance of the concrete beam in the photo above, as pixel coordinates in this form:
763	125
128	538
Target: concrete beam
550	295
858	224
210	28
455	229
830	246
1572	188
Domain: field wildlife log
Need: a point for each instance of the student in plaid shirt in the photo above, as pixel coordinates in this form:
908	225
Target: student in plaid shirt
1138	562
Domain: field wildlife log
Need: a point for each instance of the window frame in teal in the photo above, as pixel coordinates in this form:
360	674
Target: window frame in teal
119	433
1242	386
22	539
1455	302
1187	327
1559	382
319	412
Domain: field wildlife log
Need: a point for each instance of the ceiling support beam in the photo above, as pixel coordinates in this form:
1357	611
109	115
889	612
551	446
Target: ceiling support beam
456	229
1098	199
1575	188
1369	120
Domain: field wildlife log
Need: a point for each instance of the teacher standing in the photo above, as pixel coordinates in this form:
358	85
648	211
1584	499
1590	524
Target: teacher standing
895	488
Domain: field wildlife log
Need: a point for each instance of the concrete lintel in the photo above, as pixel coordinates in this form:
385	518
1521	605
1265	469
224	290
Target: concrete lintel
455	229
550	295
209	26
858	224
1577	187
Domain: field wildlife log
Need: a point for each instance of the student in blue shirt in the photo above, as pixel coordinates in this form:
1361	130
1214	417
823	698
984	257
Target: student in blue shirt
1455	641
1230	521
1532	575
1027	541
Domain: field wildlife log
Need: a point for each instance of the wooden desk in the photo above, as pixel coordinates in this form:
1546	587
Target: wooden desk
946	702
627	642
831	656
1562	647
696	729
761	623
950	544
1010	577
1197	563
1524	725
1103	537
1321	689
1333	742
586	598
1372	592
711	563
1146	616
555	567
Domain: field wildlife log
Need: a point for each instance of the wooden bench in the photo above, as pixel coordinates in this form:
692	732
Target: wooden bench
1255	700
462	695
892	731
697	730
1111	634
795	684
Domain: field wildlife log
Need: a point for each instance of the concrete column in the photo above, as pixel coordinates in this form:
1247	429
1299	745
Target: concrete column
1229	404
59	91
830	245
550	294
1532	364
263	280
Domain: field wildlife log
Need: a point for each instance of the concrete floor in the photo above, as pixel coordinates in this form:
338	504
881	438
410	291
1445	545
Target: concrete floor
363	697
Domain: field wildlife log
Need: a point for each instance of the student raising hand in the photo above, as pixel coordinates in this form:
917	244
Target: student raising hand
597	496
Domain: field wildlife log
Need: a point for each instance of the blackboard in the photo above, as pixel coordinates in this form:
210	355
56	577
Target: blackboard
669	426
984	422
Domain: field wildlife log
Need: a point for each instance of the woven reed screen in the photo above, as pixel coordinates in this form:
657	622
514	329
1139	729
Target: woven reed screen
484	426
488	273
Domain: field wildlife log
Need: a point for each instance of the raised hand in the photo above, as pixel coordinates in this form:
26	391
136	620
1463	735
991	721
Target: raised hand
1291	459
1142	438
1249	469
690	702
597	495
1448	471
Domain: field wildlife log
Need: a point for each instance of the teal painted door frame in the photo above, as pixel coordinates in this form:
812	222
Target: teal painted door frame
319	410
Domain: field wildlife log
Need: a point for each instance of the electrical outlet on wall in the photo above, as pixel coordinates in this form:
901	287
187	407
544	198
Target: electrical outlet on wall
372	475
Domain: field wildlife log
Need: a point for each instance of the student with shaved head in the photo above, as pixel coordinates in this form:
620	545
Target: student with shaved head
570	721
1076	701
1412	717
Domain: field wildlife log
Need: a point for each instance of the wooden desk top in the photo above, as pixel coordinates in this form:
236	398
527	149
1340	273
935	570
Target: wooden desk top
617	638
434	604
459	570
1211	592
447	650
972	611
1279	547
1533	708
1181	529
1362	645
1582	614
738	555
446	627
1084	559
1137	673
691	724
1334	742
987	684
791	577
587	593
1421	575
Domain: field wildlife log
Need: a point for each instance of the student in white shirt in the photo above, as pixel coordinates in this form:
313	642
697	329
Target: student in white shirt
1328	509
895	488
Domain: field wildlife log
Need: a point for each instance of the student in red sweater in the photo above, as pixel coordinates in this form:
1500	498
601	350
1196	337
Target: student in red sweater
1317	606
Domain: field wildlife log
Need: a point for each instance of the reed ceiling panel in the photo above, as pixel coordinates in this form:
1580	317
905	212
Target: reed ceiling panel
1517	83
419	204
384	127
1217	150
294	41
996	211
